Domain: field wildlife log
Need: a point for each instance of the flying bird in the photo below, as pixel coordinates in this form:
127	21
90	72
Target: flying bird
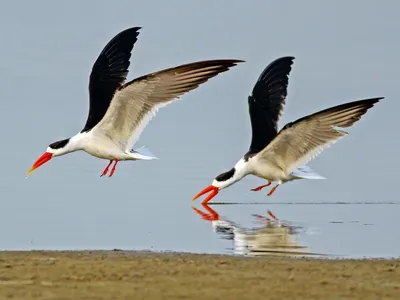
120	111
283	156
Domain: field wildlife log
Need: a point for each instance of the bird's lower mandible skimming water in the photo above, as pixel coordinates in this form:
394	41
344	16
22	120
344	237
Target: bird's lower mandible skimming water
283	156
120	111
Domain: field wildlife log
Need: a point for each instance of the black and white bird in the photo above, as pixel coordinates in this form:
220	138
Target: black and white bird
120	111
283	156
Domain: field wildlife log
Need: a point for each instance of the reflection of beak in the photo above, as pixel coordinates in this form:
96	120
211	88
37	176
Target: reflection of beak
214	191
212	216
41	160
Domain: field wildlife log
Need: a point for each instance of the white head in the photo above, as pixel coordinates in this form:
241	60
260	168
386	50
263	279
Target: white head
55	149
224	180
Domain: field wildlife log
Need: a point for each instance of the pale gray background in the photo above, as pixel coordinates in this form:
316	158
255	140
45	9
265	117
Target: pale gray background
345	50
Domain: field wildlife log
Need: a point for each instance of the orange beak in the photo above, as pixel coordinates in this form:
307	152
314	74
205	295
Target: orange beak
41	160
214	191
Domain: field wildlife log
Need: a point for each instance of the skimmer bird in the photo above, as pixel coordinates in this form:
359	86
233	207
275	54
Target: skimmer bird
120	111
283	156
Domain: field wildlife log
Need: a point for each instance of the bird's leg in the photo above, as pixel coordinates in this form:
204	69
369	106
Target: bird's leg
106	169
262	219
272	215
266	219
273	189
277	222
259	188
113	168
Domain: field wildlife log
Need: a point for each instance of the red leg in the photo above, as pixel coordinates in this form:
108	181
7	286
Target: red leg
272	215
106	169
264	220
273	189
113	168
259	216
259	188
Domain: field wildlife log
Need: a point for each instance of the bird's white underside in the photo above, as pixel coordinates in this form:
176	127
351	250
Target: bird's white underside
266	165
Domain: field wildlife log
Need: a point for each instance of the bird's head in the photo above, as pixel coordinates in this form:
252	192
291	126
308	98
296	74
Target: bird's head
220	182
55	149
223	180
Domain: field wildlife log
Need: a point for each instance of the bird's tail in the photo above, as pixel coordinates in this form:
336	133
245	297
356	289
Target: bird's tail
143	153
307	173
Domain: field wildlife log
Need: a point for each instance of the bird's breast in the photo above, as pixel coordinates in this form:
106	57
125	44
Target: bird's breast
267	170
104	148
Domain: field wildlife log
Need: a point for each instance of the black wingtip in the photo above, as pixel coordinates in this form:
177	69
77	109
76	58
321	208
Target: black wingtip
281	62
232	62
267	101
371	101
131	29
378	99
367	101
366	104
362	106
109	72
279	69
225	64
284	58
136	28
128	37
223	61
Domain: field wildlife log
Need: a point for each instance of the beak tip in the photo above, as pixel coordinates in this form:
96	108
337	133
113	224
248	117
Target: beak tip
40	161
214	190
30	171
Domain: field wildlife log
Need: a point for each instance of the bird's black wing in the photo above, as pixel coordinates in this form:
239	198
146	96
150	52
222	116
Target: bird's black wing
109	72
266	103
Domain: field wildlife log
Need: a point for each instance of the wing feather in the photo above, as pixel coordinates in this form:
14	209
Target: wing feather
267	101
136	102
109	72
301	141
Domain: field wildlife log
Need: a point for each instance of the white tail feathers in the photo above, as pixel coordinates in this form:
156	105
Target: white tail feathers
143	153
307	173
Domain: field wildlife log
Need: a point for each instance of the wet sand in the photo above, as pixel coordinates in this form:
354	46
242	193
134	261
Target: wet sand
145	275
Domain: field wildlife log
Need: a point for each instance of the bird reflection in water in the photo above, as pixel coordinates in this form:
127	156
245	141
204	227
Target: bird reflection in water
274	237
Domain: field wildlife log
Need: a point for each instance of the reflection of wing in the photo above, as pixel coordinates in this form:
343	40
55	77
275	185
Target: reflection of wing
224	228
271	239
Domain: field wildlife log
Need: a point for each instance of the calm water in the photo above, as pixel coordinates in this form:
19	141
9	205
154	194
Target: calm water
333	230
306	229
46	61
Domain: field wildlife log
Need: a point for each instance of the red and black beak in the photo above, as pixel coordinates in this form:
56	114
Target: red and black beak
214	191
41	160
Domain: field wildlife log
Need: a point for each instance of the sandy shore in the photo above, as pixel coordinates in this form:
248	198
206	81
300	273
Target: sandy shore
144	275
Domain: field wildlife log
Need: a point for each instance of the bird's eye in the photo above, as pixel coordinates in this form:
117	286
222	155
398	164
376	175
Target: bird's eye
225	176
